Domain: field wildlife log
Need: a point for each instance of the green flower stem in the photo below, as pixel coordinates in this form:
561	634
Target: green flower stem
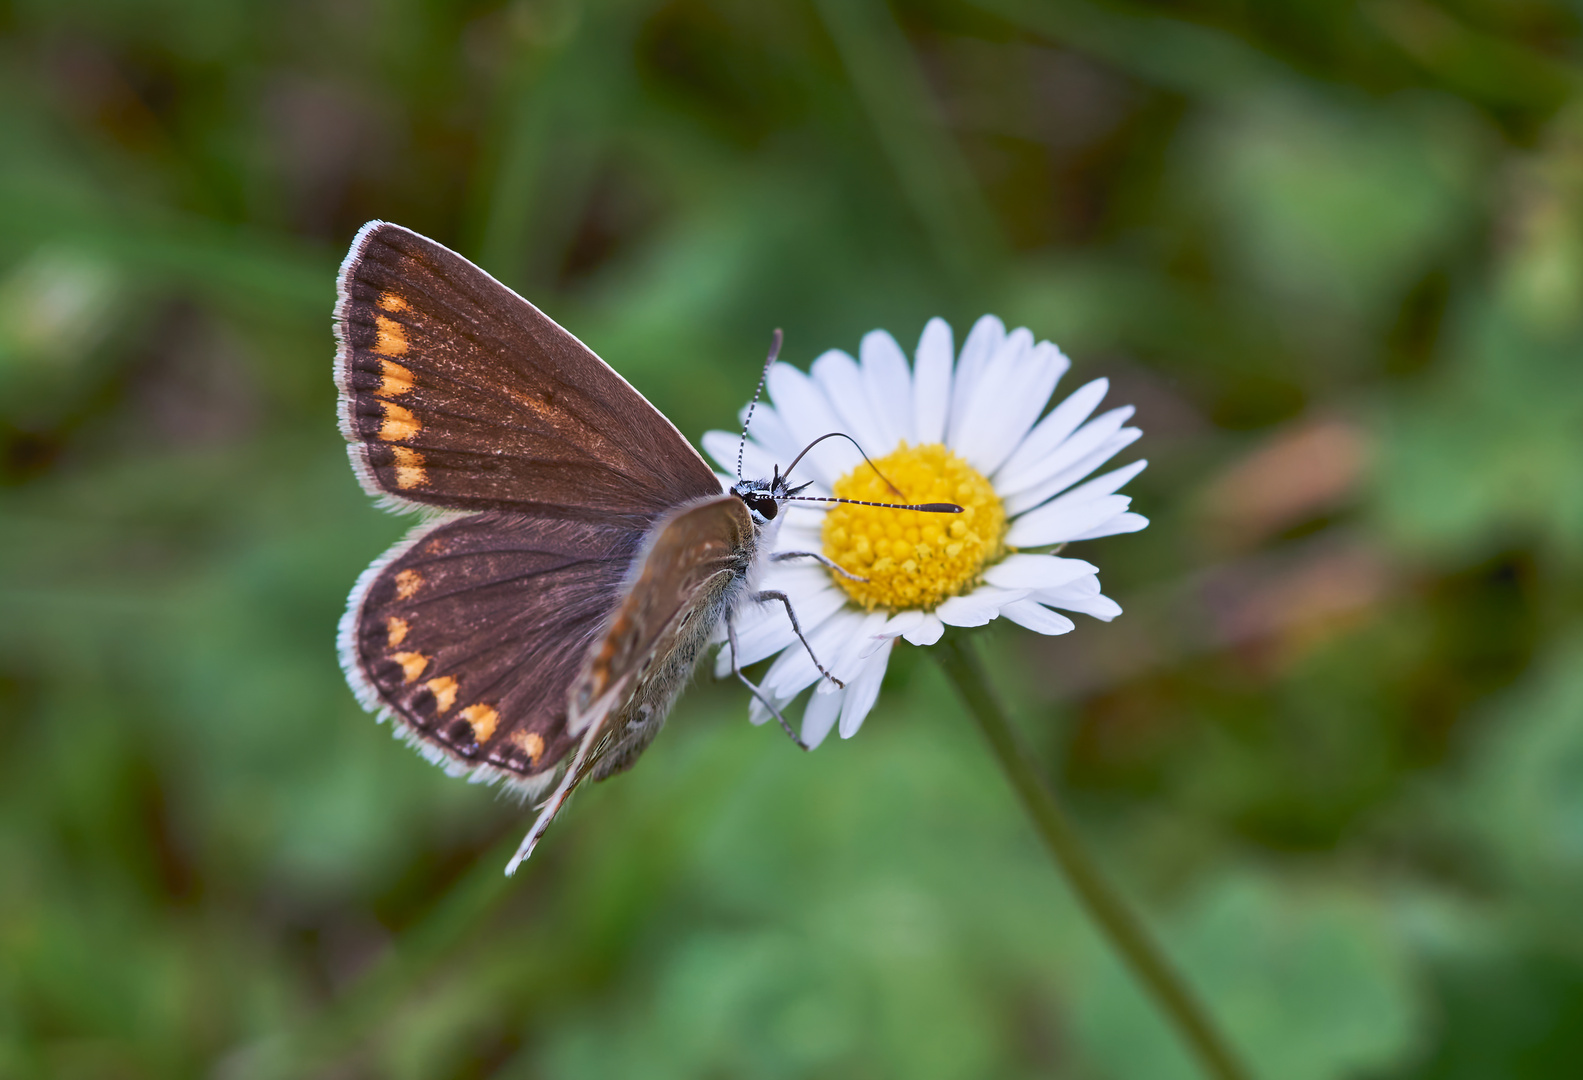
1103	902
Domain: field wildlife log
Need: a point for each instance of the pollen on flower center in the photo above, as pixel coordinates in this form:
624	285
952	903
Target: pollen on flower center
914	559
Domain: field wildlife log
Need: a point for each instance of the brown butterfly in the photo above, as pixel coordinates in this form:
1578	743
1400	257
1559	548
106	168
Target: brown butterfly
579	556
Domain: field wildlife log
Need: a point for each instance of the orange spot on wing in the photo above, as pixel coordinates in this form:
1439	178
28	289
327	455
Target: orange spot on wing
599	670
444	691
531	742
396	630
412	664
399	423
483	718
391	302
409	468
395	380
407	583
390	337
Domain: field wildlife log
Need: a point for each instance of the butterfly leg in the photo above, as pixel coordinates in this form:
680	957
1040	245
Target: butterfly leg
775	594
829	564
731	643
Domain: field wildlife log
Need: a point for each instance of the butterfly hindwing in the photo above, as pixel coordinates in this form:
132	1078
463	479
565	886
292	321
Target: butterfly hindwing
458	393
470	634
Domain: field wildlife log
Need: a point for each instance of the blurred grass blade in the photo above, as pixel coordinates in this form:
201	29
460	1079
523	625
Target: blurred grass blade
1172	54
559	101
929	166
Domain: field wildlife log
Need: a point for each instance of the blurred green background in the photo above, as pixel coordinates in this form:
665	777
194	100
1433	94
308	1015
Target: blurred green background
1333	252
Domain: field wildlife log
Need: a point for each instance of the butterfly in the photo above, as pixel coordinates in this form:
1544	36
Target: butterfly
578	554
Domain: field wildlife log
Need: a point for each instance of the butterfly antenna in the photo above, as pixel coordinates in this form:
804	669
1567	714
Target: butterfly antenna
850	439
775	351
927	508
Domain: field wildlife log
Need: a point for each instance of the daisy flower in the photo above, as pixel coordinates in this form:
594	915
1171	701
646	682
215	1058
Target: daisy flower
969	429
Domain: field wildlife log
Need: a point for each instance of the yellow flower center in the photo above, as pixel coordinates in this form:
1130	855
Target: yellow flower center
914	559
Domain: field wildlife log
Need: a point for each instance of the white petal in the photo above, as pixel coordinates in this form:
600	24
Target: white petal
722	446
768	428
801	534
1081	589
795	669
757	637
1060	520
1023	571
820	716
758	712
983	412
1113	481
1027	500
772	632
987	397
807	575
850	664
1108	484
1025	394
977	607
1009	398
1081	443
722	661
876	633
798	577
1048	434
1037	617
1050	353
864	691
802	581
982	341
838	376
929	632
931	384
1099	606
1121	523
1077	596
808	415
798	533
889	385
759	626
808	513
903	622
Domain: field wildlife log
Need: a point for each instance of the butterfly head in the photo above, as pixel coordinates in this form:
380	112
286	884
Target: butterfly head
763	497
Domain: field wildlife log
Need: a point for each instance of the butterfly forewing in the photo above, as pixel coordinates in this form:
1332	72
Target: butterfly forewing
471	634
458	393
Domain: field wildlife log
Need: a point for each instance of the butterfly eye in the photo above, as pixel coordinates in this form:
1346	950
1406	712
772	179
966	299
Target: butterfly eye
764	505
